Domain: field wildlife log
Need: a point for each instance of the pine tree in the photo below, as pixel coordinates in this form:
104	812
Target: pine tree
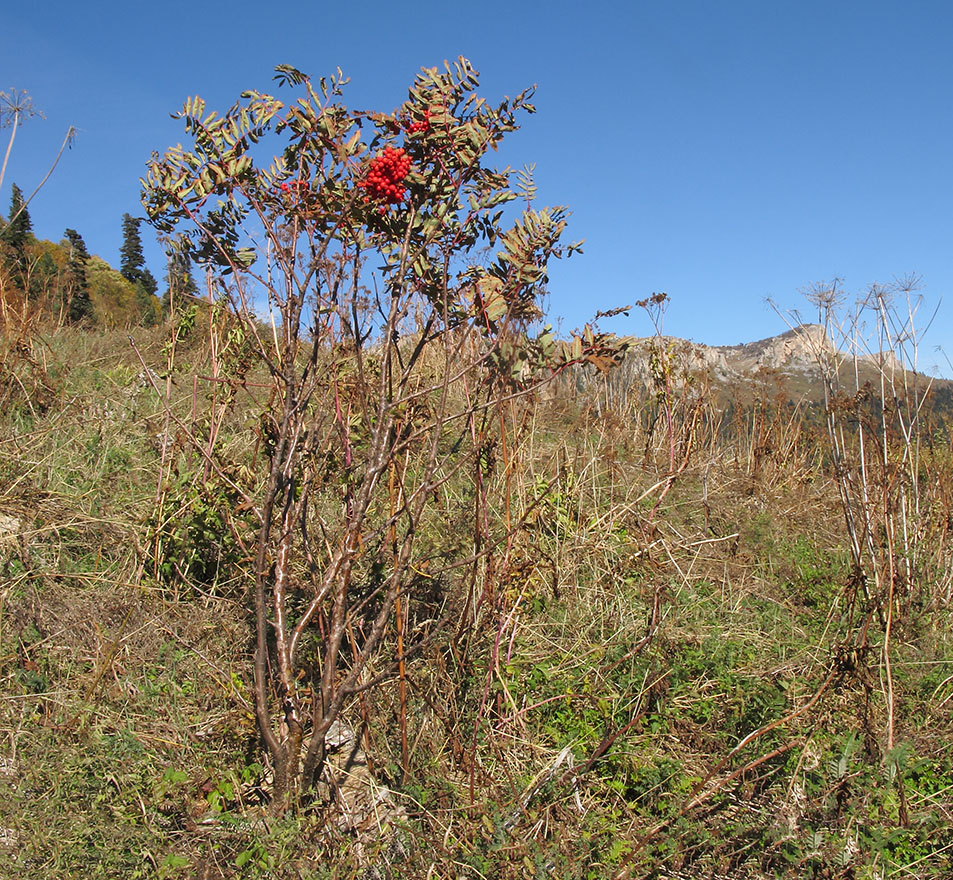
79	305
17	231
146	288
148	282
132	266
16	235
132	263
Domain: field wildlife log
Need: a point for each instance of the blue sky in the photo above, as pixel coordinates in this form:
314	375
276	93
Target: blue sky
722	152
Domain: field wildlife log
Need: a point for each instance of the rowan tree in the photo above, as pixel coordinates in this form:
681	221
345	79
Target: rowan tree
395	350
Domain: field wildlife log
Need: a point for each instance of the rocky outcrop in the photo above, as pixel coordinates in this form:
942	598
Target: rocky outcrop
795	361
799	351
799	348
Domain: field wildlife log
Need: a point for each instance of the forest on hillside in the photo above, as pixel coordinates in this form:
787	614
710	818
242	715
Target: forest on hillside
65	284
396	582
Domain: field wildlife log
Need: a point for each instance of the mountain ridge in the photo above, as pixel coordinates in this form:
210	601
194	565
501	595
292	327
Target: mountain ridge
800	365
799	351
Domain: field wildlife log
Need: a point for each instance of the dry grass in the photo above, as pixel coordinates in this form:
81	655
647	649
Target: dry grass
644	626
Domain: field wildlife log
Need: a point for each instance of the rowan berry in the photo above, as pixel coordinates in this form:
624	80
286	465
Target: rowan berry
421	125
385	176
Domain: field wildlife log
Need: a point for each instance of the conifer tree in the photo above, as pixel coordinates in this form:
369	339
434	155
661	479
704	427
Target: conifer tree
148	282
15	235
132	263
79	305
132	266
19	226
149	307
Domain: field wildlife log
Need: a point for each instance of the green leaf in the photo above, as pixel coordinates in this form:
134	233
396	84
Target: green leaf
246	256
285	74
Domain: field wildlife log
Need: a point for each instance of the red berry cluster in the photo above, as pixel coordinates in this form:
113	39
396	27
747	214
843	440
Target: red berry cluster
298	185
385	176
423	125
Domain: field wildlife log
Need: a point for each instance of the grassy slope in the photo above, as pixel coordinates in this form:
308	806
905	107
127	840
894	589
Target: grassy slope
594	730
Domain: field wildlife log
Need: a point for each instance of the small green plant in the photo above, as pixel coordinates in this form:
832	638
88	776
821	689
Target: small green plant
254	860
193	534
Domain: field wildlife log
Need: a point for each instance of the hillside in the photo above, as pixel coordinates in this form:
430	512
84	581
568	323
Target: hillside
62	282
668	663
